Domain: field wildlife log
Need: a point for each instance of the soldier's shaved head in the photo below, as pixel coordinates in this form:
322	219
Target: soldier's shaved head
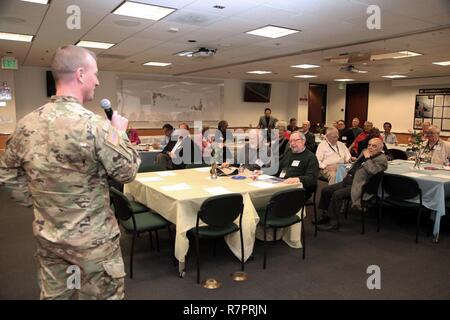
68	59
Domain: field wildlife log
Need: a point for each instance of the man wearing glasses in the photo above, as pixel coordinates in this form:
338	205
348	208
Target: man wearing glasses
436	150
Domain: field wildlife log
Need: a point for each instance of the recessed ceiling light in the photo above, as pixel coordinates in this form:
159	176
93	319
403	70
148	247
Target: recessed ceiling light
94	44
185	53
305	66
344	80
306	76
37	1
15	37
157	64
395	76
259	72
442	63
142	10
272	32
406	54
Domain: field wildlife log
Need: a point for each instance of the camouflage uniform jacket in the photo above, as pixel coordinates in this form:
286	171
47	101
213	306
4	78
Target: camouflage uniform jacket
58	160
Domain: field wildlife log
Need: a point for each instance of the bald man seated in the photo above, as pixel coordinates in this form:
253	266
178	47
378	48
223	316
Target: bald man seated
371	161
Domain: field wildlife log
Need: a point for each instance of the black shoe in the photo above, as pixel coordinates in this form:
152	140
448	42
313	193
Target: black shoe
322	220
328	227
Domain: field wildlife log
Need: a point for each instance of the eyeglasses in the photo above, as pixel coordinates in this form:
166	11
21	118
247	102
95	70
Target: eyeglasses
295	140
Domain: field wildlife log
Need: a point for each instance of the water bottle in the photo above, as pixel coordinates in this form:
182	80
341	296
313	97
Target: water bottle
241	168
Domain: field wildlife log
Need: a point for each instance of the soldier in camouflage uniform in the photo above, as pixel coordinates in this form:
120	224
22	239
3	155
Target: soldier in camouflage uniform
58	160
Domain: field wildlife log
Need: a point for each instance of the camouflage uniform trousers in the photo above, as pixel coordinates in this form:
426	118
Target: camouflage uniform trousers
101	277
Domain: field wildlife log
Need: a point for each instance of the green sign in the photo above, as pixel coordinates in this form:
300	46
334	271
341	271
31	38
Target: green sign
10	63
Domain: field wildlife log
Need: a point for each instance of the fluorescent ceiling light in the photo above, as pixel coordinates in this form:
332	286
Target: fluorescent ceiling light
305	66
306	76
272	32
185	53
157	64
95	44
259	72
395	76
142	10
344	80
442	63
37	1
406	54
15	37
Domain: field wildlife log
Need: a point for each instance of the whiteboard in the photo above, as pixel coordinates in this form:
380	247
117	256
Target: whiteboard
155	102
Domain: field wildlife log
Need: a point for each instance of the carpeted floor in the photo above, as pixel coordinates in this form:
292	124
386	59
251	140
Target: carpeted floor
335	266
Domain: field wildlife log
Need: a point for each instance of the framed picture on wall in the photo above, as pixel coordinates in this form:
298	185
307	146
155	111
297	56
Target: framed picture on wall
433	108
424	106
418	123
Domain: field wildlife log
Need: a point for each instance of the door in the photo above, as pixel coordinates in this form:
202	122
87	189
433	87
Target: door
356	103
317	105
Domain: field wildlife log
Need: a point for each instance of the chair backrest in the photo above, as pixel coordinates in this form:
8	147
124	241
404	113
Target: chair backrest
122	206
286	203
397	154
400	187
221	210
373	184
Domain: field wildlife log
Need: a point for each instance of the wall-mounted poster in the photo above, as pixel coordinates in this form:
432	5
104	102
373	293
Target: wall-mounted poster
432	108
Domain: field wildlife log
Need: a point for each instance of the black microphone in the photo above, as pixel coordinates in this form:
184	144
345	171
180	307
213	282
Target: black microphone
106	105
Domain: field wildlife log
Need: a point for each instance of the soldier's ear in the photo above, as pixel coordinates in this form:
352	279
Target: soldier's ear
80	74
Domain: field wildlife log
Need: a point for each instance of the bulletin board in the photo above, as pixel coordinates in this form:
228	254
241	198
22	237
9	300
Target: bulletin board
434	108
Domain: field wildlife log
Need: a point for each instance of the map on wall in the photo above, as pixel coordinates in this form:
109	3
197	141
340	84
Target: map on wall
157	102
432	108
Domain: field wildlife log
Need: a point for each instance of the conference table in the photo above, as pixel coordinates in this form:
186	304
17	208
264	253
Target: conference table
177	196
433	180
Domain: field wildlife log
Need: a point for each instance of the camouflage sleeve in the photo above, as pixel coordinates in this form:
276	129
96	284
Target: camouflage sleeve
115	151
12	175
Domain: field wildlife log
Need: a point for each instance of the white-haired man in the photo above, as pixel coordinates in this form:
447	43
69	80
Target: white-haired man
330	153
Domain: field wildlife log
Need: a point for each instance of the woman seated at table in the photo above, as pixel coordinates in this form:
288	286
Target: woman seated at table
283	139
133	135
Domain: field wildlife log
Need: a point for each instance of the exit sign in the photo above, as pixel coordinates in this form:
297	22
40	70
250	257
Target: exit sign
10	63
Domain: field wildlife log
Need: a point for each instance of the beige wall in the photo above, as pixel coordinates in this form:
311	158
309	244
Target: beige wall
31	93
335	103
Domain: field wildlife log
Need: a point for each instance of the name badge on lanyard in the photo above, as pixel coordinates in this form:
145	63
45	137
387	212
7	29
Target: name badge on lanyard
295	163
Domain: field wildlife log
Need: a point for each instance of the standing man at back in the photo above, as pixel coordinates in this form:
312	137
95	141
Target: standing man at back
267	122
58	160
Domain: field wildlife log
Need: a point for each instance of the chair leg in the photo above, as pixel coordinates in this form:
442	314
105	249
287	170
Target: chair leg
131	254
197	251
265	248
363	214
157	240
151	239
172	244
418	224
274	236
315	217
303	237
242	249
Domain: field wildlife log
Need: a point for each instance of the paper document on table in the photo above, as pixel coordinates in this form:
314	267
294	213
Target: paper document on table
165	173
149	179
261	184
217	190
177	187
442	176
205	169
414	174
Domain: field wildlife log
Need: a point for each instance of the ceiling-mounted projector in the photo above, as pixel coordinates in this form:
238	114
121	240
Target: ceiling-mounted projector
204	52
352	69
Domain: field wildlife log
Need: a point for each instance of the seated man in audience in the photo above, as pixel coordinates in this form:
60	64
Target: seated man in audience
330	154
345	135
355	127
436	150
168	130
179	148
299	164
371	161
388	136
292	125
310	138
373	133
362	136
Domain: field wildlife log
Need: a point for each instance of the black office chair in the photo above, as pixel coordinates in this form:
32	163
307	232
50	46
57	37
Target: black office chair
312	202
281	212
401	190
397	154
369	199
137	222
218	213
